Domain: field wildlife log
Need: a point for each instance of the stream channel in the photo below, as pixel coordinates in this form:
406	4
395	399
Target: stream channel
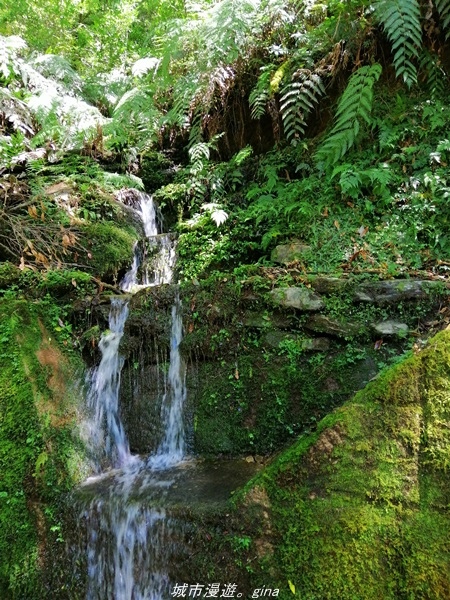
130	514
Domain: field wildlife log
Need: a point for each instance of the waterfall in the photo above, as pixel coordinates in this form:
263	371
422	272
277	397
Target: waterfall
172	448
106	432
128	542
103	396
158	254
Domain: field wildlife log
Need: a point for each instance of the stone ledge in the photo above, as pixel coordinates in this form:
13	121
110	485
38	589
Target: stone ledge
389	292
296	297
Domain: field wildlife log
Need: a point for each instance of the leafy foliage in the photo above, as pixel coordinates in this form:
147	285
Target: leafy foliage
436	77
401	21
354	108
443	7
297	100
260	95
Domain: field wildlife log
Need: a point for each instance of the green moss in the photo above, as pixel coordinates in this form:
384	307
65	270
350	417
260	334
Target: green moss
9	275
64	282
360	508
40	458
110	247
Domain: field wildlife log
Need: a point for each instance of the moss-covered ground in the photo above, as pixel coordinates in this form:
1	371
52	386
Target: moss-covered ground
41	457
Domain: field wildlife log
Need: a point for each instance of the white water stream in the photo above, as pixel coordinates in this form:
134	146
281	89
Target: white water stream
128	542
107	434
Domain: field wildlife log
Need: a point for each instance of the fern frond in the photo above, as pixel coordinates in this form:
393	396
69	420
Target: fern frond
443	8
199	152
195	132
297	100
10	48
354	107
401	22
16	112
259	95
435	75
353	181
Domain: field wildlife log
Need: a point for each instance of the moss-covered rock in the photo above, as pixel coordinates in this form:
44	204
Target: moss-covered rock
111	247
361	507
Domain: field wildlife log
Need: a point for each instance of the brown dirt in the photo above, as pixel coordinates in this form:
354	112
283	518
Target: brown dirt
258	496
56	367
323	448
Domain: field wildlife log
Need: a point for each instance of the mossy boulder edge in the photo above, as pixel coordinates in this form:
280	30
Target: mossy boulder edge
360	508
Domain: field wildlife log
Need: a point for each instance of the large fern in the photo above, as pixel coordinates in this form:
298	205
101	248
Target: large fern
354	108
401	22
297	100
443	8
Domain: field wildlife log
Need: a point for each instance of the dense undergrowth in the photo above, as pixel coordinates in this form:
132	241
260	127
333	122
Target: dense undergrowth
365	189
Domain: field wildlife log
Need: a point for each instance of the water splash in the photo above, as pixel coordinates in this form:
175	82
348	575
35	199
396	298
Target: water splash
129	544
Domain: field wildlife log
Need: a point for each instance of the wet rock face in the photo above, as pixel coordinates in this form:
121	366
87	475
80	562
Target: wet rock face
140	399
262	364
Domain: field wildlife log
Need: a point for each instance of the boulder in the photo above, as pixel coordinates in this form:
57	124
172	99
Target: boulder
328	285
390	328
274	338
289	253
296	297
390	292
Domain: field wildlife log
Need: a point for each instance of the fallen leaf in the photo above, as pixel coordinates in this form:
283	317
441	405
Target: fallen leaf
363	231
32	211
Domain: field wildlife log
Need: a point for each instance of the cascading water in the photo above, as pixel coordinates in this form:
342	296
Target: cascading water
158	254
119	527
103	396
129	543
172	448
